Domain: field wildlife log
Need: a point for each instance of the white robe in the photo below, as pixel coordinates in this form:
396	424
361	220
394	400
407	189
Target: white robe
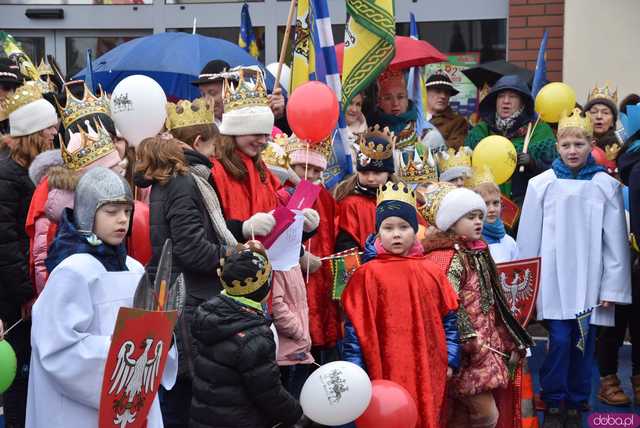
72	323
506	250
578	228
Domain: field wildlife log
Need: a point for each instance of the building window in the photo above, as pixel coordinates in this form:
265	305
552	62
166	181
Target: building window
488	38
33	47
76	49
229	34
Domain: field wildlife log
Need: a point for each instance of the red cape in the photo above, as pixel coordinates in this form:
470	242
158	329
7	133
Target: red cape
396	305
324	317
242	199
357	216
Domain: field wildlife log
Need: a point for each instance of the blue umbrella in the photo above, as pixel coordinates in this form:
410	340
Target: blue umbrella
171	59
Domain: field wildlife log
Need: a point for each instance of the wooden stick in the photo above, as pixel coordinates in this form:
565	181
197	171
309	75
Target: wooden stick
306	162
495	350
285	44
308	259
337	256
253	236
527	139
11	328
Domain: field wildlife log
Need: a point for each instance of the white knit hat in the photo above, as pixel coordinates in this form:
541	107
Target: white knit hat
246	106
32	117
456	204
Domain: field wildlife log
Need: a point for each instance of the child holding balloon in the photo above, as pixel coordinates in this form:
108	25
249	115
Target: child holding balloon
400	309
573	217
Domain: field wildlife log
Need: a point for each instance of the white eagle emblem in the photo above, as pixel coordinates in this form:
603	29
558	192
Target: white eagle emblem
134	378
518	290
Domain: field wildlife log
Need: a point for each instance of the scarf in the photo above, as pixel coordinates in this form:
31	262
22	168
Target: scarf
493	232
373	248
200	174
69	241
587	172
397	123
505	125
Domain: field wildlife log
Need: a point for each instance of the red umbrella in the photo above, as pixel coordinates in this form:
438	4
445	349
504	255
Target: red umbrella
409	53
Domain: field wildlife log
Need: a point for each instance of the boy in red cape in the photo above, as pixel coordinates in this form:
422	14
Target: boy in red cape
400	308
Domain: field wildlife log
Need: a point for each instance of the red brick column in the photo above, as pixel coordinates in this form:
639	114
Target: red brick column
527	21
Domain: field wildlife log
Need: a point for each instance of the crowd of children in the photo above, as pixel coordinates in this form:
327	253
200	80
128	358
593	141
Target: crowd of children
425	308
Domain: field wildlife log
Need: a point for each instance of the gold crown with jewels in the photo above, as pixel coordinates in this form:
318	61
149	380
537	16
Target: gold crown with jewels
396	192
95	144
23	95
275	152
480	176
45	69
451	158
75	108
433	196
419	169
249	285
245	93
324	147
576	119
377	151
606	92
186	113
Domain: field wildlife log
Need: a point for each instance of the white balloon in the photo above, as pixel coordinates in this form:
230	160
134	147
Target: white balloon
336	393
138	108
285	74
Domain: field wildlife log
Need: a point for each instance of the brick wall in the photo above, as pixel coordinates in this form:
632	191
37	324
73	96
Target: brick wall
527	21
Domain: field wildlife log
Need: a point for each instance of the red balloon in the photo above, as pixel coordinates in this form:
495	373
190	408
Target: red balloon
312	111
391	406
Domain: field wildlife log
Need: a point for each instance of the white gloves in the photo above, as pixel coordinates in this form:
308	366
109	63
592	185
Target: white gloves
313	262
311	219
260	224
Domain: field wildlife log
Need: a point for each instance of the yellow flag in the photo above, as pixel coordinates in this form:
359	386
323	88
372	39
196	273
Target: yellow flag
369	44
304	60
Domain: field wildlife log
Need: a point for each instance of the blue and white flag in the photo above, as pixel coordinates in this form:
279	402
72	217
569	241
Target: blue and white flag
326	70
415	85
540	75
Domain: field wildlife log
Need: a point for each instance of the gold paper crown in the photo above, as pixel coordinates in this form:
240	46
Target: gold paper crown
25	94
420	170
245	94
480	176
433	196
45	69
95	144
187	113
324	147
604	92
75	109
576	119
451	158
373	150
249	285
396	192
275	153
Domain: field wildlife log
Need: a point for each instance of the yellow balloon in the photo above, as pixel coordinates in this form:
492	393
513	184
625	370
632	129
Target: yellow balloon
553	99
498	154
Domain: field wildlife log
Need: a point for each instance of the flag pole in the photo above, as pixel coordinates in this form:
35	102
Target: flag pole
285	44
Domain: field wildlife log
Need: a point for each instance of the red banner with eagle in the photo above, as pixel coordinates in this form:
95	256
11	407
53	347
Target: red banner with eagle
137	356
520	280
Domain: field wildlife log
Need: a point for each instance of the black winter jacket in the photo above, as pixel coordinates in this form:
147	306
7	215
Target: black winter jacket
177	211
237	381
16	190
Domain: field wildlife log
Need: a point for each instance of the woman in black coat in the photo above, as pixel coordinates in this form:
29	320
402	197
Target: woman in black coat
33	125
182	209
